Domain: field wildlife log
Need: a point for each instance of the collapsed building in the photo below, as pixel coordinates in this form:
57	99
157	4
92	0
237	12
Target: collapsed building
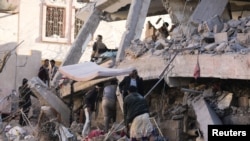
196	78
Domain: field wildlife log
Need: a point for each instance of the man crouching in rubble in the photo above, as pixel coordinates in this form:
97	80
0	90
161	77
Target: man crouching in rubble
136	112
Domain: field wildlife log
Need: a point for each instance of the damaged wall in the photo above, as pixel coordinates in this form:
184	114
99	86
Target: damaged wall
16	68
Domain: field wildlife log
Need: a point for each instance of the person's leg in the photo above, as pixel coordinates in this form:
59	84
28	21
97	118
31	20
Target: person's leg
111	106
23	120
105	114
113	112
87	124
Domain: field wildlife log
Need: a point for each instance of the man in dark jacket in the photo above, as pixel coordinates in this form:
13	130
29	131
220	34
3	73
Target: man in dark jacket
43	73
136	113
132	80
24	100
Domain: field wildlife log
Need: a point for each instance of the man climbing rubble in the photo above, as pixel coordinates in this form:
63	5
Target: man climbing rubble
89	107
24	100
109	103
136	116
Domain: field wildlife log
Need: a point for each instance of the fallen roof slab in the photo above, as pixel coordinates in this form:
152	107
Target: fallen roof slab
46	96
207	9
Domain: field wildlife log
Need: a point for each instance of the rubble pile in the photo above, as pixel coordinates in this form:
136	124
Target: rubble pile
213	36
192	107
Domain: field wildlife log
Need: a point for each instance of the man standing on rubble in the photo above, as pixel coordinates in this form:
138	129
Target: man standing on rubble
132	80
43	73
136	116
53	69
109	103
24	100
90	99
98	48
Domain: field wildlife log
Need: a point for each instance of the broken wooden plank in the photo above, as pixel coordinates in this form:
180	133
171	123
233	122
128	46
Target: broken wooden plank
46	96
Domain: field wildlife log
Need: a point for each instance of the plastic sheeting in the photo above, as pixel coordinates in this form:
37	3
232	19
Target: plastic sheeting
89	70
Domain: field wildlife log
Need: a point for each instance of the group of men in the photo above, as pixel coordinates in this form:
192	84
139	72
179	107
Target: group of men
47	71
135	107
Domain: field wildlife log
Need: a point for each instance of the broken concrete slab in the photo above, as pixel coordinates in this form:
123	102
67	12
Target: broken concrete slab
221	37
214	66
243	39
210	47
214	23
205	115
224	101
47	97
234	23
207	9
221	47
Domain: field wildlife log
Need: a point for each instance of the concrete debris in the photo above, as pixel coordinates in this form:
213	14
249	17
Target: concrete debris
205	115
221	37
47	96
244	102
208	93
136	49
224	100
15	132
214	24
214	36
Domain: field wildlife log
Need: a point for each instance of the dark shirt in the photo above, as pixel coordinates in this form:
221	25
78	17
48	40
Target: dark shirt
164	31
24	96
125	83
90	98
134	105
99	48
43	74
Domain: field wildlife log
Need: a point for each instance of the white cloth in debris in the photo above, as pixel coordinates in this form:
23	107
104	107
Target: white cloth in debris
141	126
89	70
